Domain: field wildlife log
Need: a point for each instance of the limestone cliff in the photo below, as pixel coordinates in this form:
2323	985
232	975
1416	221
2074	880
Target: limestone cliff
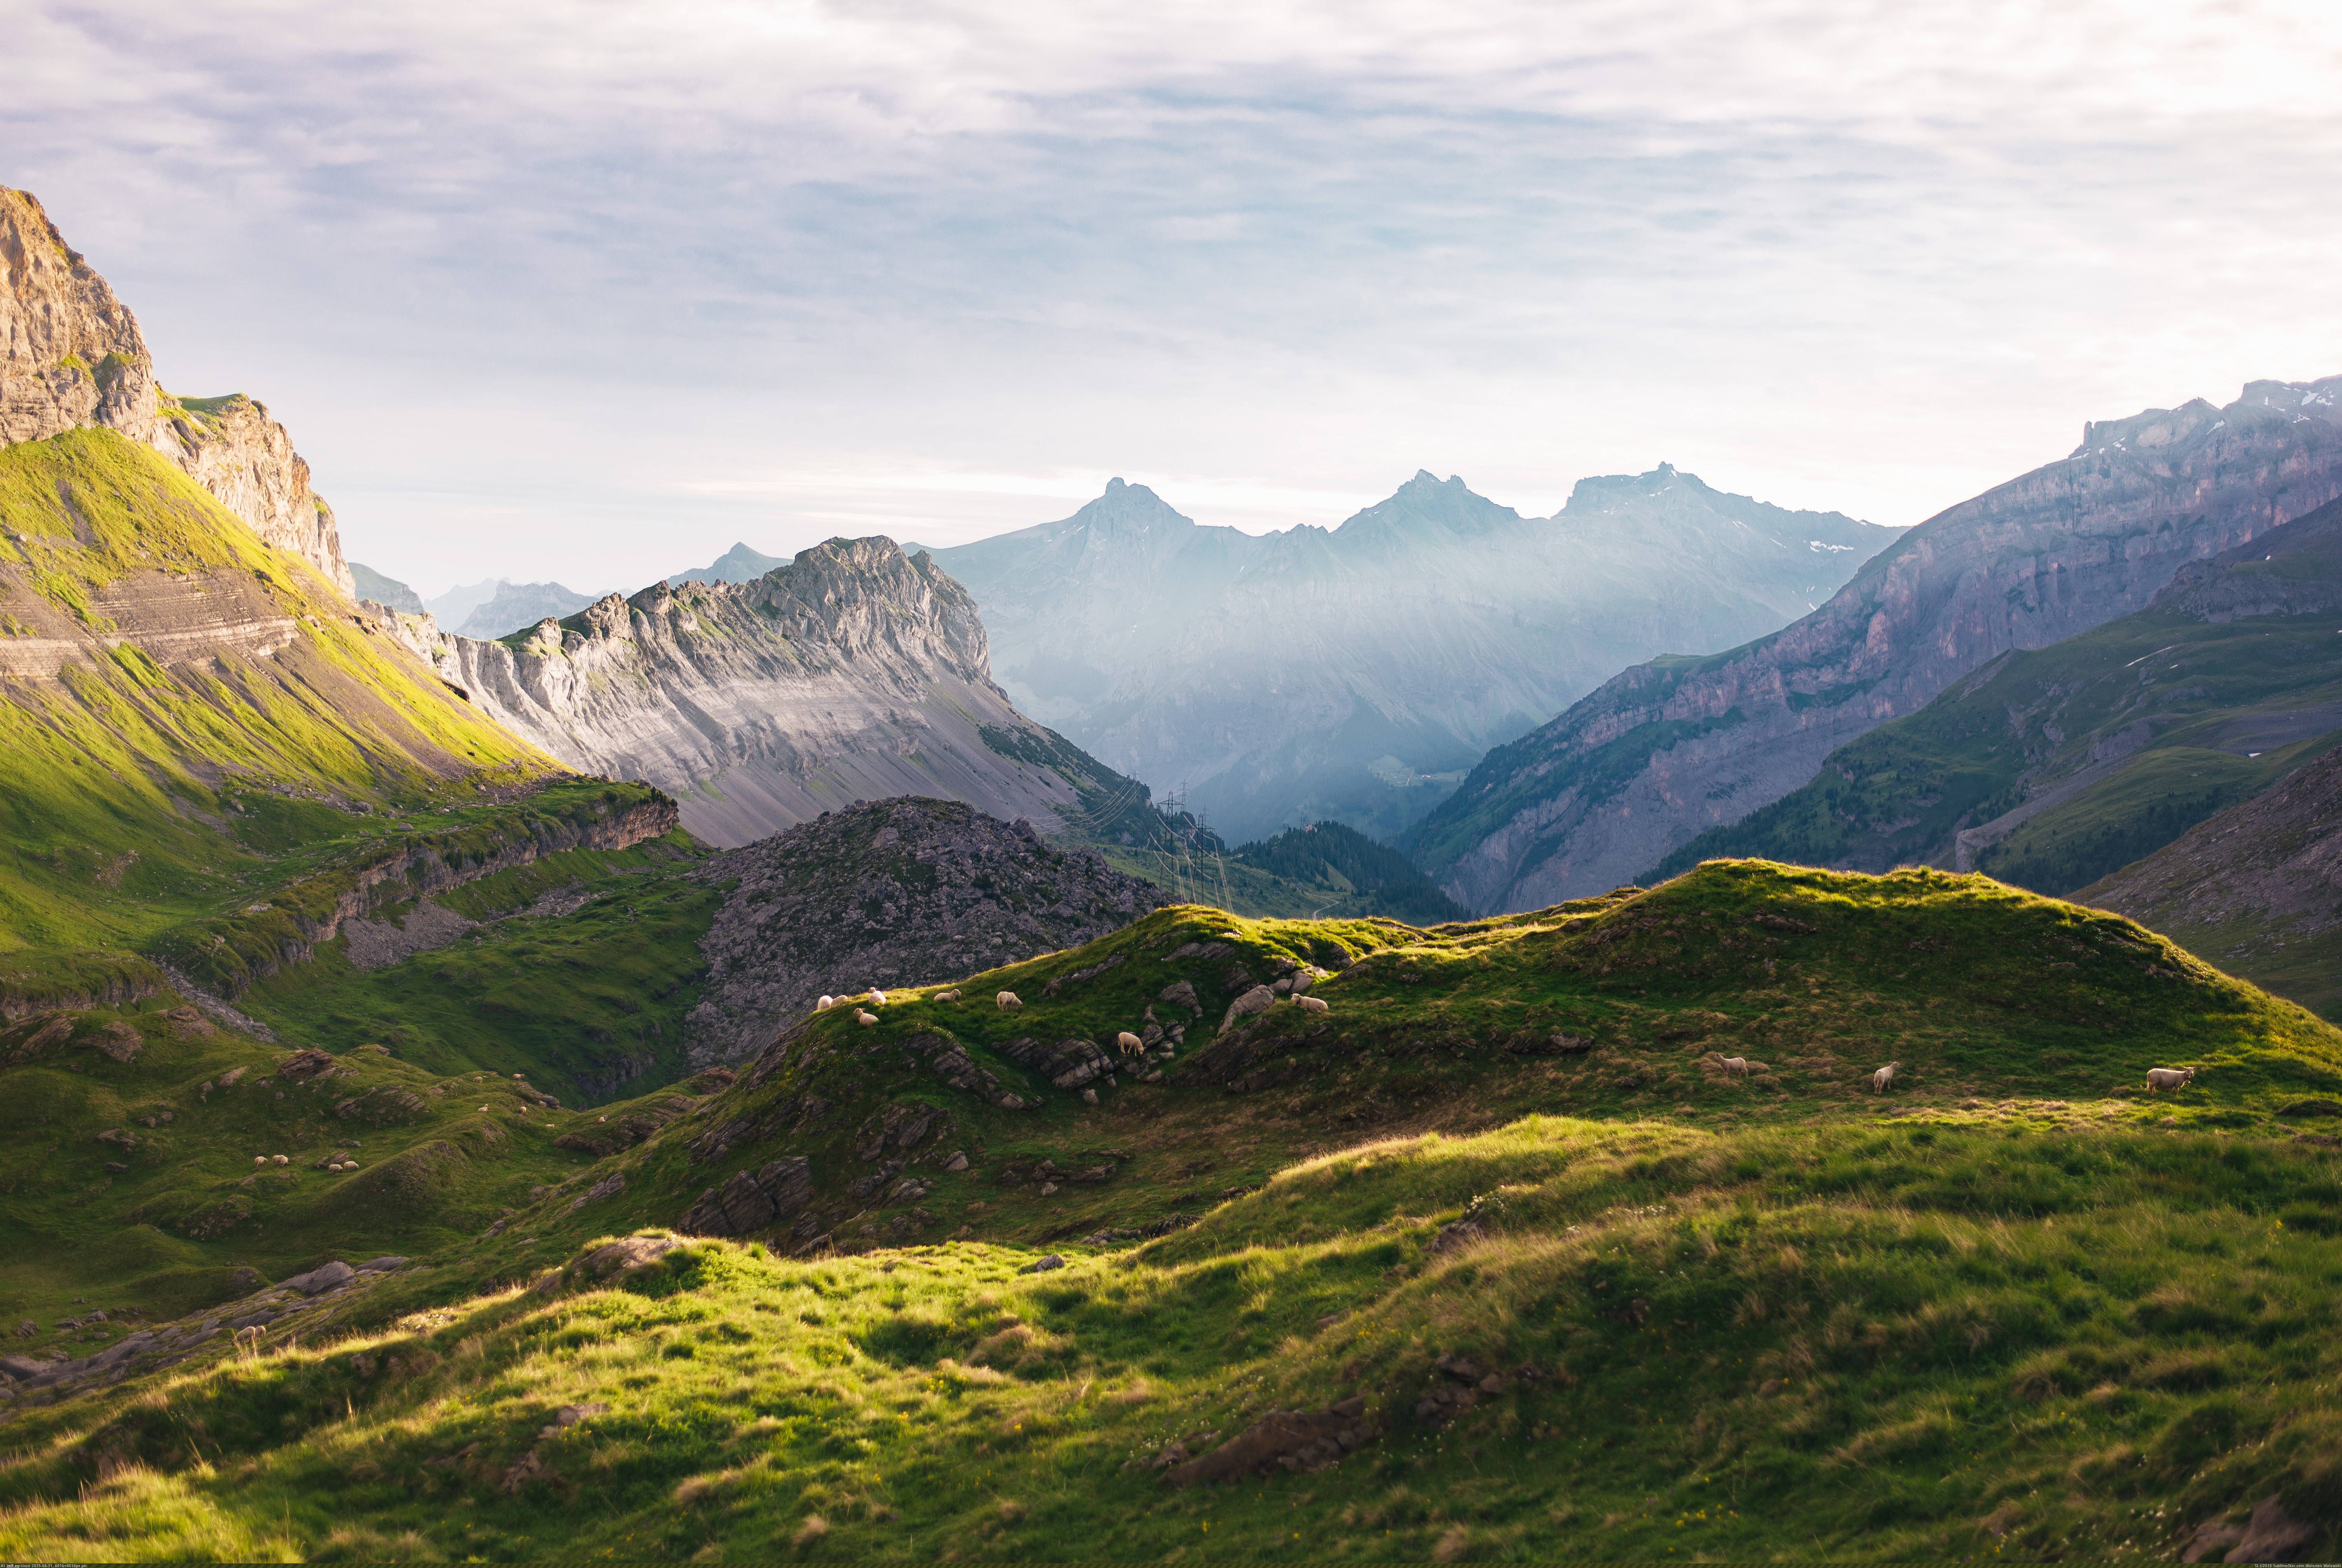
853	673
71	355
1672	748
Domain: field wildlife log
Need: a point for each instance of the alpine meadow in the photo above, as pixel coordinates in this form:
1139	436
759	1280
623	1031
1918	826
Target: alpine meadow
1596	1003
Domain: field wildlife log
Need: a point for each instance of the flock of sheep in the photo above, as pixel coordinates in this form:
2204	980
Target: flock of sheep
1129	1044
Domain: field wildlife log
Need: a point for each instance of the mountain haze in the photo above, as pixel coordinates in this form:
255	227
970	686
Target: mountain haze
516	605
1675	747
1352	673
738	565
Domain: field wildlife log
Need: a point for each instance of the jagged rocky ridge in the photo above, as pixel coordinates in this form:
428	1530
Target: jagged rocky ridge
853	673
1352	673
71	354
905	891
1671	748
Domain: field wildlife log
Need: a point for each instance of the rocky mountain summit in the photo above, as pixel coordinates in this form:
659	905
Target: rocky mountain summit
905	891
1675	747
853	673
1353	674
738	565
71	355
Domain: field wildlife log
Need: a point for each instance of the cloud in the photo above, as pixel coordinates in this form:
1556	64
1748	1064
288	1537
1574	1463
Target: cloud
592	269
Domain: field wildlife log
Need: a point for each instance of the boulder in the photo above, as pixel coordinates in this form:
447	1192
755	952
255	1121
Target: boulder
1181	993
320	1280
752	1200
1253	1003
1298	1439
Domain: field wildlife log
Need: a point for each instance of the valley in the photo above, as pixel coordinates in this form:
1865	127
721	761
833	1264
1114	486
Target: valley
713	1073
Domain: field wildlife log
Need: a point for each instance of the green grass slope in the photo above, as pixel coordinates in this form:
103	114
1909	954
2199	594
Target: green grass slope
127	1142
140	790
2017	1306
2066	764
1931	1342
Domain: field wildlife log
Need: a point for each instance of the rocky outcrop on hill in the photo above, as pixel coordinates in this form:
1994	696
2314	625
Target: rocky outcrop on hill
1671	748
1354	672
71	354
853	673
895	892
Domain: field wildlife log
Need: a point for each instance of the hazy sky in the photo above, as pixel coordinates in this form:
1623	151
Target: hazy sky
588	291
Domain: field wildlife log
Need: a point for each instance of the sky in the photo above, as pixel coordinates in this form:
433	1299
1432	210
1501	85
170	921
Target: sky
587	291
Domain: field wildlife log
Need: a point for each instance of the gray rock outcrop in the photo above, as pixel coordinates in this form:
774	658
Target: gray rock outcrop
1670	749
899	892
71	354
855	673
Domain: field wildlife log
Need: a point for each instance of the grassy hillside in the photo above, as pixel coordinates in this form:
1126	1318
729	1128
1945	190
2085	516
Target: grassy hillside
2064	764
2017	1305
140	790
1354	876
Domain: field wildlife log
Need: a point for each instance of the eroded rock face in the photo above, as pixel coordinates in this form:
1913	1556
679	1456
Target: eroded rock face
1668	750
71	354
899	892
855	673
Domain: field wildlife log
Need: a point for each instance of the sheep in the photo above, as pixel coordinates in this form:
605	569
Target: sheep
283	1159
2168	1078
1310	1004
878	998
260	1159
1130	1044
825	1003
865	1019
1007	1001
1882	1077
947	995
1735	1063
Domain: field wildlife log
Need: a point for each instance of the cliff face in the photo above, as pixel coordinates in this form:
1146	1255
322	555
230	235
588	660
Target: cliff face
853	673
71	355
1354	673
1671	748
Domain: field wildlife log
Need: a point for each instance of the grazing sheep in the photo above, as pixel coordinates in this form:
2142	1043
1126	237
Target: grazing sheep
283	1159
1310	1005
1882	1077
878	998
260	1159
1130	1044
1007	1001
2168	1078
865	1018
825	1003
1735	1063
947	995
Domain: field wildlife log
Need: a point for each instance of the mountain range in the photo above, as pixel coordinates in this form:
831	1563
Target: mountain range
1353	674
1673	747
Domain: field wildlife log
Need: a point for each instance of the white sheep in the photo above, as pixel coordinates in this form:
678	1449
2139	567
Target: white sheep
825	1003
2168	1078
1310	1004
283	1159
866	1019
1882	1077
1130	1044
947	995
1735	1063
260	1159
878	998
1007	1001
